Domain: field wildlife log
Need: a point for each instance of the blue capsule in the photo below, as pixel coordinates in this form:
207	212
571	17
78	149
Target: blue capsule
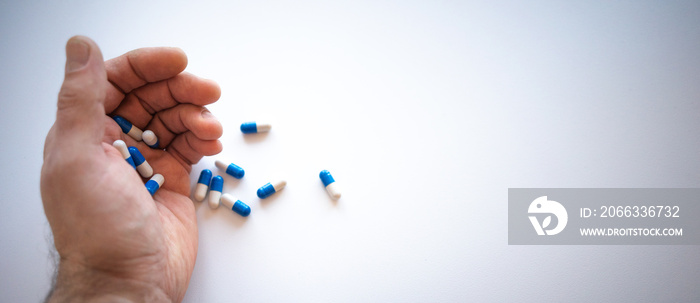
326	177
231	169
270	188
142	166
217	184
200	191
150	138
128	128
253	127
155	183
124	150
329	183
205	177
215	188
235	205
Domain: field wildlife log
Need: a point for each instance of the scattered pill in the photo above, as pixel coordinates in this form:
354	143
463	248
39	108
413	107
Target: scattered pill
121	147
253	127
149	137
200	191
217	185
231	169
235	205
270	188
142	166
330	184
155	183
129	128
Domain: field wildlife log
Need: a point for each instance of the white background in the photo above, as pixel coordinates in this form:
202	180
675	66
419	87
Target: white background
425	113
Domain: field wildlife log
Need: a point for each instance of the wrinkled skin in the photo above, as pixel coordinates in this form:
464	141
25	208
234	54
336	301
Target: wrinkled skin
116	241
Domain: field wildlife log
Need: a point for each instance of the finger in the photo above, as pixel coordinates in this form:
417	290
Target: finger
184	118
80	114
183	88
140	105
138	67
189	149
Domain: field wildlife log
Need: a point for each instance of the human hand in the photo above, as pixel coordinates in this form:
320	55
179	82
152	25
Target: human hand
115	241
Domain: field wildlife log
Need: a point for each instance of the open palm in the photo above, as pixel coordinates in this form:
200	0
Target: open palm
106	226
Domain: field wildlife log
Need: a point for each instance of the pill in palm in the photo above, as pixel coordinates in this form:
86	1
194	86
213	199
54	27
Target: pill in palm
142	166
124	150
235	205
149	137
155	183
128	128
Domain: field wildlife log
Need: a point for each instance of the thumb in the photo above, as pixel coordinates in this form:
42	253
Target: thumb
80	115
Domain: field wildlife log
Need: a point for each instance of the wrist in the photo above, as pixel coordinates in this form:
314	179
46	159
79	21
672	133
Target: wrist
79	283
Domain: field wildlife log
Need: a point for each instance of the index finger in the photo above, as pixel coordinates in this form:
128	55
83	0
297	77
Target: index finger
139	67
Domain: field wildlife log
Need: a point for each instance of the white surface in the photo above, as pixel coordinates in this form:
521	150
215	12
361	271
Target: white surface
425	111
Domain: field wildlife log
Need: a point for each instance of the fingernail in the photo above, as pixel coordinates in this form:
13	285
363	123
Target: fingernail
207	115
77	54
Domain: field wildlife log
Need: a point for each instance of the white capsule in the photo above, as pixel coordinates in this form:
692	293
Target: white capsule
124	150
333	190
150	138
215	188
330	184
279	185
235	205
135	133
128	128
270	188
155	183
200	190
231	169
262	128
254	127
142	165
214	198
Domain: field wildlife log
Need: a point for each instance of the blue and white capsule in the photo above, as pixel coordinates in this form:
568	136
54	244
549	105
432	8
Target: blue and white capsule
155	183
231	169
235	205
330	184
142	166
254	127
129	128
271	188
217	185
124	150
149	137
200	190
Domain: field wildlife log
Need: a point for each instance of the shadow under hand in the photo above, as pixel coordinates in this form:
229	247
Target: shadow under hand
254	138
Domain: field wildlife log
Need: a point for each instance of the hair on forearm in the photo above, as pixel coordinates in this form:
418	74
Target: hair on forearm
54	259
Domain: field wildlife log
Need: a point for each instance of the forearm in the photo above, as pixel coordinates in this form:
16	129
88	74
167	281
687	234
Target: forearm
76	283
